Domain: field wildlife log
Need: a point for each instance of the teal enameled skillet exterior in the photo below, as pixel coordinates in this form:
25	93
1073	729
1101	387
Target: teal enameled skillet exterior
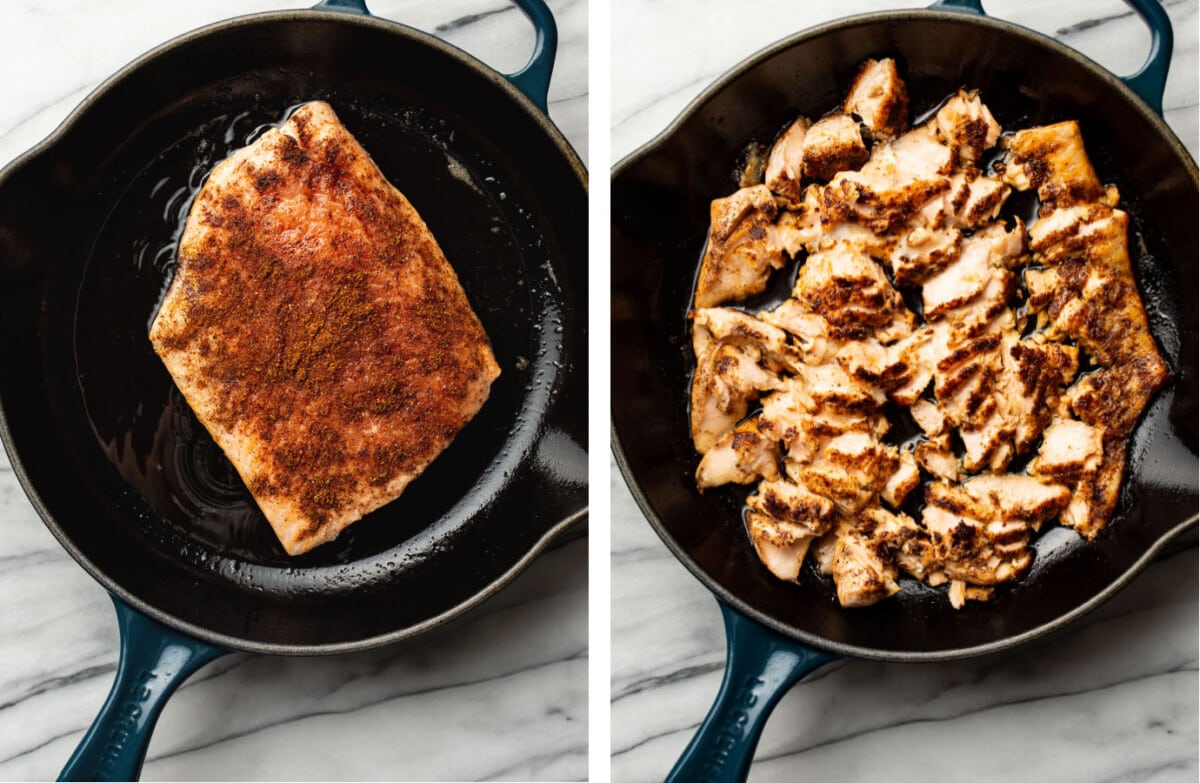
778	632
198	575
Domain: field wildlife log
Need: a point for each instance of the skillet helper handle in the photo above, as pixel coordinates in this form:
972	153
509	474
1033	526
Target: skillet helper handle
154	661
350	6
760	666
1150	81
534	78
968	6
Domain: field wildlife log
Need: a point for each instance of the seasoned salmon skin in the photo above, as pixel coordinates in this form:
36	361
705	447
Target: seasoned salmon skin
317	330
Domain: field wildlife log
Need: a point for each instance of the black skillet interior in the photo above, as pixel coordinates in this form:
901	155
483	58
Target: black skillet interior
116	461
660	215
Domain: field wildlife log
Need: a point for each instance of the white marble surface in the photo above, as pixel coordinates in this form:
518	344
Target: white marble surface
1112	698
501	695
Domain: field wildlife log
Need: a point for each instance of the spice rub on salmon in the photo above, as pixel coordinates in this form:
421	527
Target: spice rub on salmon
797	399
317	331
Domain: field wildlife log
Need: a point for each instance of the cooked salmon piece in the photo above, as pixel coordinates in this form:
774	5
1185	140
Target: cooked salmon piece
907	542
780	545
792	503
317	330
879	98
741	250
748	452
1070	450
738	357
784	173
1088	293
903	481
899	178
852	293
809	331
980	529
983	256
863	572
936	456
832	144
922	252
799	228
966	124
1051	159
1095	496
805	419
972	200
850	470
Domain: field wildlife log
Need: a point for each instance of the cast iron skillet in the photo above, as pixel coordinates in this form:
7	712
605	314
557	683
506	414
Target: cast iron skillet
779	631
116	464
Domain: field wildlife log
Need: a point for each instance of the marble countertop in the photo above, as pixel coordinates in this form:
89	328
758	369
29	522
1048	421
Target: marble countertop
1111	698
501	694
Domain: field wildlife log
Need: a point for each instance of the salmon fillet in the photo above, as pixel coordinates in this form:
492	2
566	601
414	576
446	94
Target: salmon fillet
317	331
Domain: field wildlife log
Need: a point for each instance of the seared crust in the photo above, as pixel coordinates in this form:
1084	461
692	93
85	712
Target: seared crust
317	330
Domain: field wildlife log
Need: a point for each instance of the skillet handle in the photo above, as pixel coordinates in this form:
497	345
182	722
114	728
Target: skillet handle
1150	81
760	666
534	78
154	661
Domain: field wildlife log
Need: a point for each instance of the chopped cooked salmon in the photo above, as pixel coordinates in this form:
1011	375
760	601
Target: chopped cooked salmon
861	574
1070	449
919	217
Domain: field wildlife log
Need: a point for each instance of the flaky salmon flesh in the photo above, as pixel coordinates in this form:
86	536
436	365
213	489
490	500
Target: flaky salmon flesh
317	330
799	397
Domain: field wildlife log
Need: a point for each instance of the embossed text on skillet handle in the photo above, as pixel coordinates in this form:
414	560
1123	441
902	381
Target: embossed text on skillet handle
760	666
154	661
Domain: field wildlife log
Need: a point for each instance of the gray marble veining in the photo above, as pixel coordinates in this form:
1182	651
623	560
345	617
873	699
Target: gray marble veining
500	695
1112	698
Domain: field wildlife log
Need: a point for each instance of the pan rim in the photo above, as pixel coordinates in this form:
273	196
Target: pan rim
48	144
696	105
